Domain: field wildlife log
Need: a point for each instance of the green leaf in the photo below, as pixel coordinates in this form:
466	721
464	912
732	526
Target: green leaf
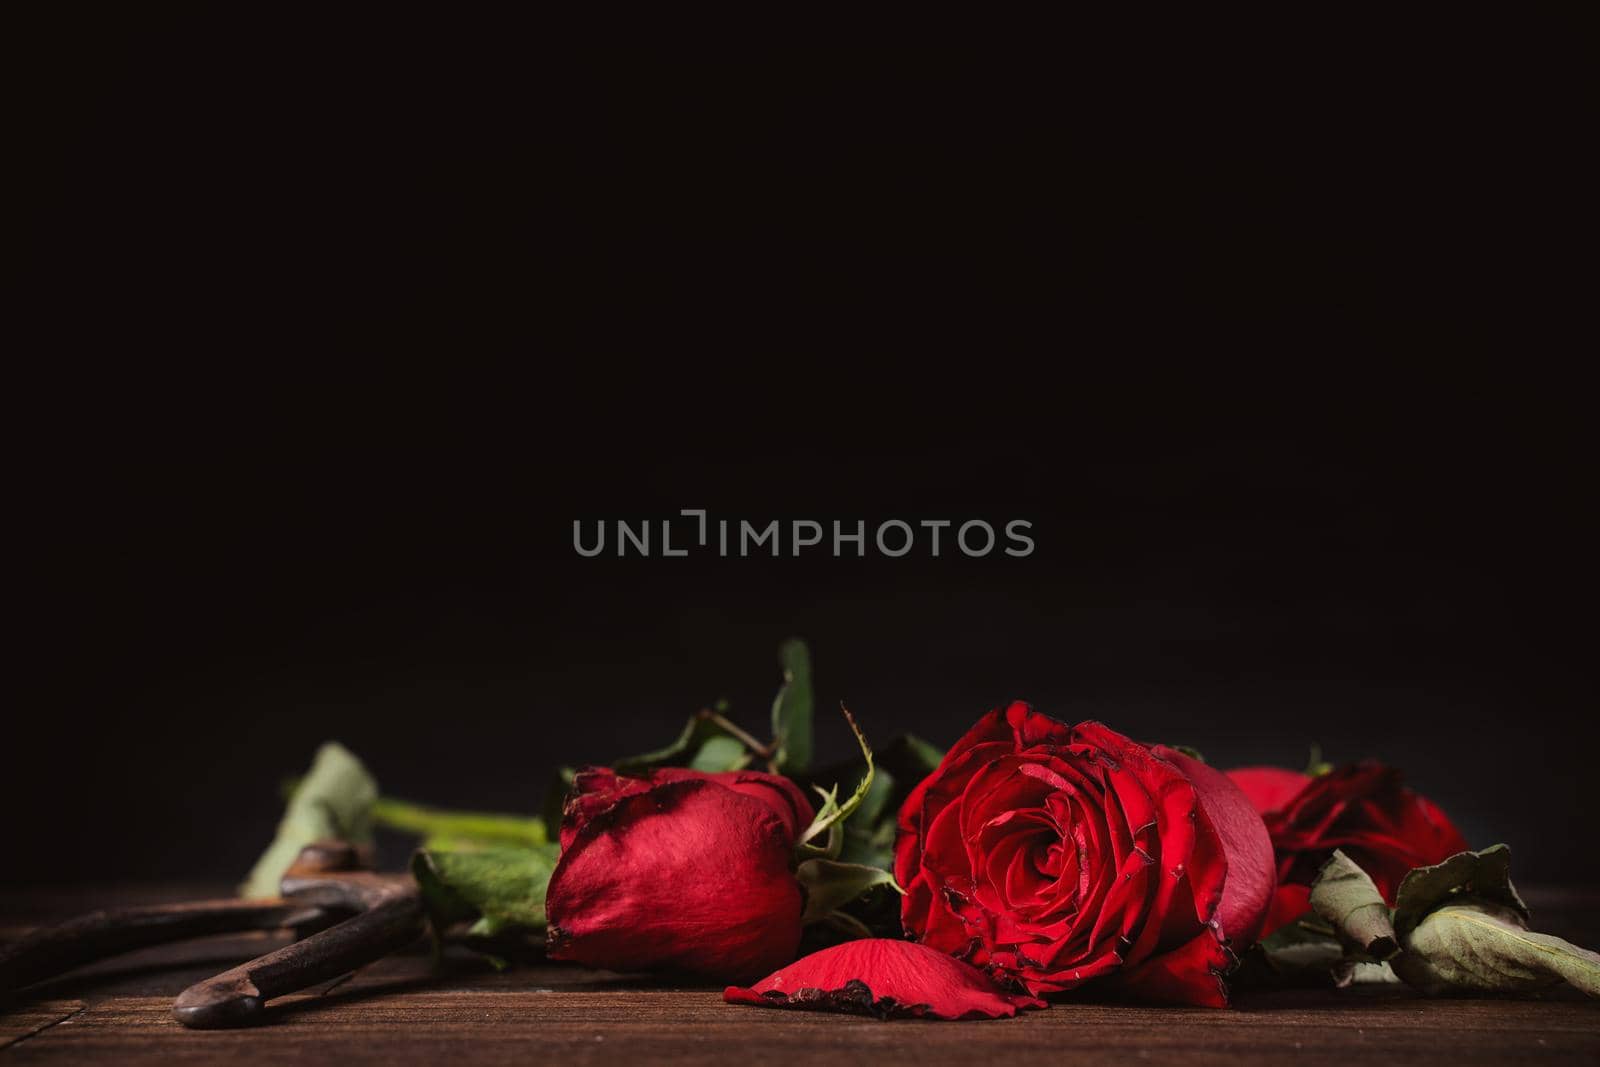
497	889
825	820
832	814
869	835
700	728
332	802
1345	895
1485	874
459	829
830	885
1463	928
922	754
720	754
1190	751
709	742
876	798
791	711
868	843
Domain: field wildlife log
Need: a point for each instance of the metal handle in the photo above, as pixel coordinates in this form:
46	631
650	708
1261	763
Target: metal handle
393	919
53	950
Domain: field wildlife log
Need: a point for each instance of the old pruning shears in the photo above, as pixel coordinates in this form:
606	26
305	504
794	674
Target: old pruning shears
346	917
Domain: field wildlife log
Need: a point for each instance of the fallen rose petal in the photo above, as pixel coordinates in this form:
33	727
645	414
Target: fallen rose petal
888	979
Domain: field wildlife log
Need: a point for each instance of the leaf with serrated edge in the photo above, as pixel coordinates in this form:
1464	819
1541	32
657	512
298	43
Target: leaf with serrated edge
832	813
1345	895
502	888
830	885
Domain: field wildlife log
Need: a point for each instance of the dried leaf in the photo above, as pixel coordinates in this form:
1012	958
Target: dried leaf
1481	948
1345	895
1485	874
1464	929
332	802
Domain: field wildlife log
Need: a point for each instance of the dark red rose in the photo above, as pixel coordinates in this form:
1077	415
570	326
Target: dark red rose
1055	855
678	870
889	979
1363	809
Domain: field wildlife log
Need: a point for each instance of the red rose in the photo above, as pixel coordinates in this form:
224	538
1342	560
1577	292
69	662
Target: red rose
1053	855
678	870
1361	808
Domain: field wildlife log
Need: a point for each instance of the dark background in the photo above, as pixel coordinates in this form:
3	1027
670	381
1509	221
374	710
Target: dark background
330	329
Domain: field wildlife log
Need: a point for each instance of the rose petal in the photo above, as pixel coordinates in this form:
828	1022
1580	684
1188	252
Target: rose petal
885	978
1191	974
1269	788
1289	903
1252	877
595	789
1363	809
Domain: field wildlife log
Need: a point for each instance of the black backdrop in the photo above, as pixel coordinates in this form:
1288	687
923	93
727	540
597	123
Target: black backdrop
332	330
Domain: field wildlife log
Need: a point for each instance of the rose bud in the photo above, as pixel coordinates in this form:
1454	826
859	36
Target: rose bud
1363	809
1054	855
678	870
885	978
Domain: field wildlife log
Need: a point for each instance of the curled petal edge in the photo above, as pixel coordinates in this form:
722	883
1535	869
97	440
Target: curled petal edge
886	979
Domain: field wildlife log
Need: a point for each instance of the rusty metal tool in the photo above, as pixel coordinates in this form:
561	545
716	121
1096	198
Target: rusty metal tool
54	950
388	916
357	917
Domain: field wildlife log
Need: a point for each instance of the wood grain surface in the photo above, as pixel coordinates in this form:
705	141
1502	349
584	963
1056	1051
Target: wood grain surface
407	1010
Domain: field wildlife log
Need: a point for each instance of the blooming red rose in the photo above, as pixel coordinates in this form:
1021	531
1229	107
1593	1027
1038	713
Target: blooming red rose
678	870
1363	809
1054	855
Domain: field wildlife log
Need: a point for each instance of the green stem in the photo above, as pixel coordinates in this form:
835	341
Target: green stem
743	736
483	827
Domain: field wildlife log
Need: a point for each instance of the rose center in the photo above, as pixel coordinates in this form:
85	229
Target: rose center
1048	861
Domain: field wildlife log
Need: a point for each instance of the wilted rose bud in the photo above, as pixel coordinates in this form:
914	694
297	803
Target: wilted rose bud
679	870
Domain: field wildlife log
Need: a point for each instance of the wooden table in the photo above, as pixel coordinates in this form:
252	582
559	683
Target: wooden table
403	1010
